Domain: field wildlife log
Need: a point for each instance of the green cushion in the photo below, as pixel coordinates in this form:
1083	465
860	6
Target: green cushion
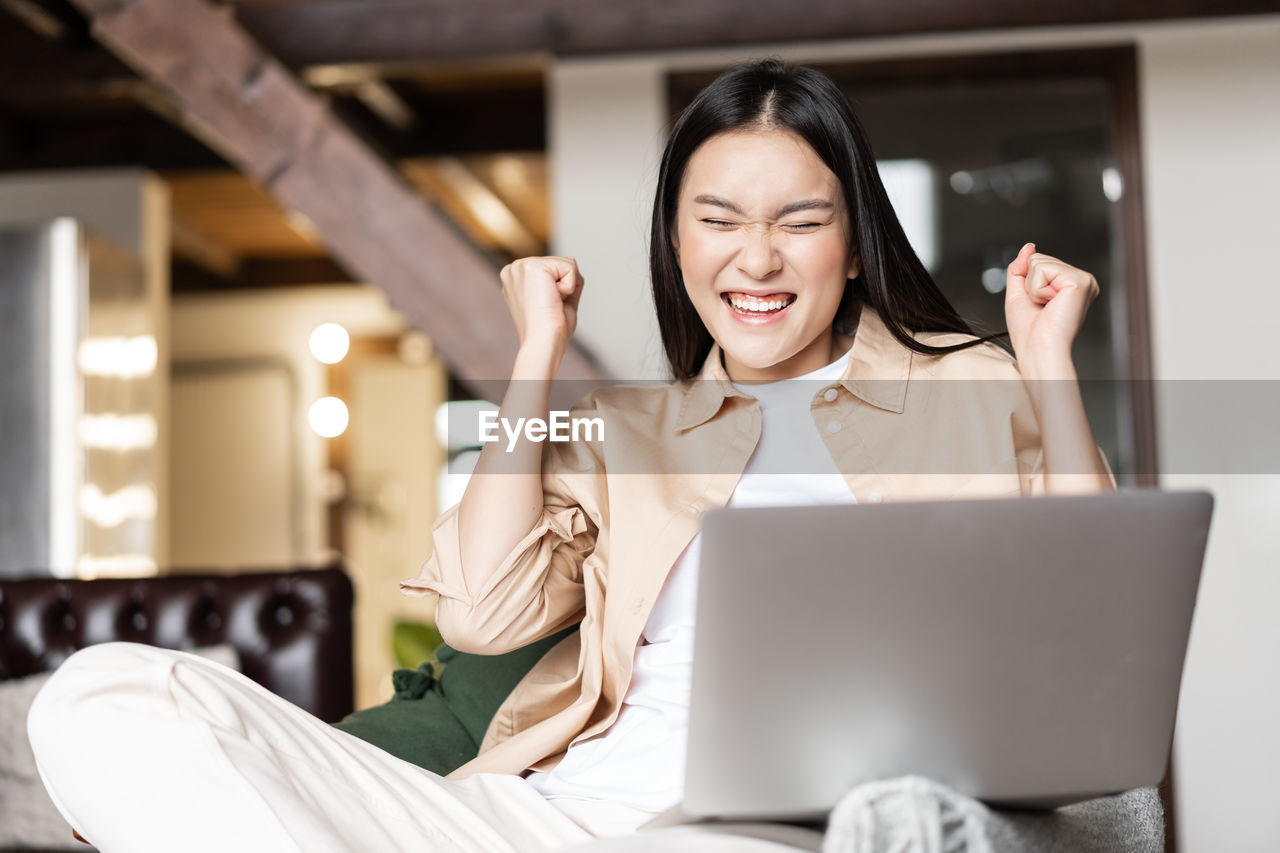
439	722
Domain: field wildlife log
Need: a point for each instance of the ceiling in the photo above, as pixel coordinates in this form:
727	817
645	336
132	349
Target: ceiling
469	137
227	232
450	91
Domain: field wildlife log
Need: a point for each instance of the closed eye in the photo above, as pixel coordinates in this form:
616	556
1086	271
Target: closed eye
718	223
802	227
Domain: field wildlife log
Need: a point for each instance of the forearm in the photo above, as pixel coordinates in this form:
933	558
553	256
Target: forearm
503	498
1072	464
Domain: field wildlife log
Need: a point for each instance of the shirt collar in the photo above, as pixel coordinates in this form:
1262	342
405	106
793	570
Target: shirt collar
877	374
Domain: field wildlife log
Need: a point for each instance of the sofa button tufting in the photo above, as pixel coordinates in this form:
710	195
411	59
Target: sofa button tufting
59	619
283	615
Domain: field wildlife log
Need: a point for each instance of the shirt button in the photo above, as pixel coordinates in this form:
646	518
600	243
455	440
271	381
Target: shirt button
830	395
833	427
875	497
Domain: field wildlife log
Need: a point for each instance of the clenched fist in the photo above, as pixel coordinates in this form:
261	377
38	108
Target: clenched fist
1045	304
542	295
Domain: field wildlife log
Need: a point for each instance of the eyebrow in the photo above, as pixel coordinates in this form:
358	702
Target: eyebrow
793	207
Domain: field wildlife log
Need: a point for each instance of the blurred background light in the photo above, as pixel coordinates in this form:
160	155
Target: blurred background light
330	342
1112	184
993	279
962	182
118	432
90	566
131	502
125	358
328	417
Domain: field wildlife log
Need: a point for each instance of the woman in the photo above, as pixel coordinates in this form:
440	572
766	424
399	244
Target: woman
775	257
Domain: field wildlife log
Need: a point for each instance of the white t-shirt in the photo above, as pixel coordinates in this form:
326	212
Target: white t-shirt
640	760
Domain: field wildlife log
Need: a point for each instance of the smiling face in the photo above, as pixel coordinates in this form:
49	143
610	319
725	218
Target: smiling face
763	240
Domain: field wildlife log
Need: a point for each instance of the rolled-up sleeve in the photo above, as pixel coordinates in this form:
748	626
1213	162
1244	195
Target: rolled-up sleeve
537	589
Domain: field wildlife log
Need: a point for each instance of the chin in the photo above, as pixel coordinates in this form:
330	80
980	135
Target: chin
761	362
757	359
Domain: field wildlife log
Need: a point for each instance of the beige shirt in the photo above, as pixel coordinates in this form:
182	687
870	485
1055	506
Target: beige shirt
618	513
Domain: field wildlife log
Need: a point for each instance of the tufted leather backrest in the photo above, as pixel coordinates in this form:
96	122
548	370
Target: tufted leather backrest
292	629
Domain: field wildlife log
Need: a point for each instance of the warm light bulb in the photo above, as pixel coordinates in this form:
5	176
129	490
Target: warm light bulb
126	358
328	417
330	342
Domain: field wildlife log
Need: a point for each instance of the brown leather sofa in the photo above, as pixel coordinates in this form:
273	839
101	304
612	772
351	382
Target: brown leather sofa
292	629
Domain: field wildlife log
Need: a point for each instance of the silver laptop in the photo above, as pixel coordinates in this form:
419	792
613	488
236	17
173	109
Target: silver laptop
1026	652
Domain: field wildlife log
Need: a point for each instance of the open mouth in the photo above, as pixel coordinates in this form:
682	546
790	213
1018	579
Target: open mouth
748	305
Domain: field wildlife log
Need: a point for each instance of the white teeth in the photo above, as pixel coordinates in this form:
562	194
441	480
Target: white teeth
757	305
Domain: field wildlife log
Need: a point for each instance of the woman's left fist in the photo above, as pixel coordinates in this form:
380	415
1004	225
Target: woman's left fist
1045	301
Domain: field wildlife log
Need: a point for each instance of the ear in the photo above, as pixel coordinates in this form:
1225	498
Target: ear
855	265
675	244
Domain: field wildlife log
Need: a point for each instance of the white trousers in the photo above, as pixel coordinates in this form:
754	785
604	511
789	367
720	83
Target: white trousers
145	749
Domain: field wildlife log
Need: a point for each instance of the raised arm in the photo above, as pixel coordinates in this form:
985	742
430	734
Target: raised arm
503	499
1045	304
507	562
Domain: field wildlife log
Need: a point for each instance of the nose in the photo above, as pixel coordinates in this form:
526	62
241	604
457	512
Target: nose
757	256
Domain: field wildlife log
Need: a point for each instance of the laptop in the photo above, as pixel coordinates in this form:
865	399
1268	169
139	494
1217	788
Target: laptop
1025	652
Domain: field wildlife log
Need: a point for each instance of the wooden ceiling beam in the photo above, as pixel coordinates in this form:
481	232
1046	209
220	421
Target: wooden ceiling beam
53	129
487	208
284	137
338	31
188	240
382	101
72	98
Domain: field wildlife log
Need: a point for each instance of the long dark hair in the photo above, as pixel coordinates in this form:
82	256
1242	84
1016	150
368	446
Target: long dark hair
768	94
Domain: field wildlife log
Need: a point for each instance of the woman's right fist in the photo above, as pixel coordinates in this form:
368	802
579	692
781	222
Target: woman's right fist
542	295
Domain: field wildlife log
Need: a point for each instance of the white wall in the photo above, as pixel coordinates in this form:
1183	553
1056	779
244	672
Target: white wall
606	127
1211	131
1210	102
